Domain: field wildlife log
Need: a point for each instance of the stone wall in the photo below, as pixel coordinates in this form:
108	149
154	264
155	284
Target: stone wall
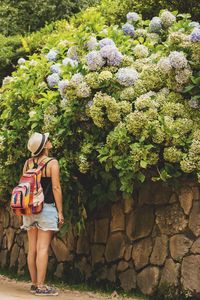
137	243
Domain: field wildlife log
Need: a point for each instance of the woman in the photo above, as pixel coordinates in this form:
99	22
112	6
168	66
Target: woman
41	227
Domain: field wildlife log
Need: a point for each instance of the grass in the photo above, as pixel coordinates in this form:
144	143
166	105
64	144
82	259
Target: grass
82	287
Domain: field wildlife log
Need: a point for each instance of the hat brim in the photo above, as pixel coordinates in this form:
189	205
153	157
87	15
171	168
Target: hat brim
45	140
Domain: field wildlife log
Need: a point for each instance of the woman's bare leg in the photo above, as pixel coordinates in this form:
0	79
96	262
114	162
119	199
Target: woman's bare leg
43	243
32	248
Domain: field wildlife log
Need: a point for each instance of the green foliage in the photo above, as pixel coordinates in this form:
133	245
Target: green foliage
116	123
22	16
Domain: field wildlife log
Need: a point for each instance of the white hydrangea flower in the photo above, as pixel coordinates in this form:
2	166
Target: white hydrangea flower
132	17
178	60
68	61
126	76
21	61
164	65
7	80
106	42
56	68
72	53
77	79
51	55
167	19
62	84
92	43
141	51
112	55
83	90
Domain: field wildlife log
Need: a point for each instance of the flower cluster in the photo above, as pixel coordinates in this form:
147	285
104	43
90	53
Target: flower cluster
52	55
167	19
126	76
112	55
53	80
94	60
92	43
140	51
155	25
128	29
132	17
68	61
56	68
178	60
195	35
21	61
106	42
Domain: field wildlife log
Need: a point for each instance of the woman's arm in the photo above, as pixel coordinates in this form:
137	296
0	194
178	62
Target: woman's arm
55	176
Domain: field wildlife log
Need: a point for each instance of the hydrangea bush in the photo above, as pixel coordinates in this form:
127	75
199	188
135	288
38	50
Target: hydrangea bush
121	103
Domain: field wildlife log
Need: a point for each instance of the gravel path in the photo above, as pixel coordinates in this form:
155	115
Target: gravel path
11	289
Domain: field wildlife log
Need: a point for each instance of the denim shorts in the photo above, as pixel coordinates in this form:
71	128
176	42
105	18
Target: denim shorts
47	219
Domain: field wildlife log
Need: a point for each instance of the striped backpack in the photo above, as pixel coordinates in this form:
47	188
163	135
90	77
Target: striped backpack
27	197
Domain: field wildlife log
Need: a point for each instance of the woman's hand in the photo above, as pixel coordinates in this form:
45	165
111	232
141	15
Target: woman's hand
61	219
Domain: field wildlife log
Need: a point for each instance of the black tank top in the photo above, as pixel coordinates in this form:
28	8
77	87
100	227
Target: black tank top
46	184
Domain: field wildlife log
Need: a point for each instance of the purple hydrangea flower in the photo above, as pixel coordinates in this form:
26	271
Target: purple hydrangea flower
68	61
155	25
195	35
62	84
21	61
127	76
53	80
55	68
77	79
106	42
51	55
177	60
94	60
128	29
112	55
132	17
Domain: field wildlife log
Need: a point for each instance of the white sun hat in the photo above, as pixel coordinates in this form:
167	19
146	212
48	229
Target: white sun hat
37	142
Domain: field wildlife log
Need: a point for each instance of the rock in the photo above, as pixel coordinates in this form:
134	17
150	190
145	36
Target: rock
101	230
60	250
115	247
147	280
111	273
170	273
194	219
59	270
21	260
118	219
15	221
159	253
122	266
5	219
97	252
10	233
140	223
196	247
155	193
170	219
190	273
128	279
69	239
179	246
84	267
186	198
3	258
25	238
128	205
83	244
195	192
4	243
141	252
90	231
51	265
173	198
1	234
14	255
128	252
20	239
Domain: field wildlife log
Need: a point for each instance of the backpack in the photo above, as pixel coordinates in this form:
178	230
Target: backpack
27	197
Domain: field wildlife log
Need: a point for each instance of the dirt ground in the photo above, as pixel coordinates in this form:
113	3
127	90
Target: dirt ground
12	290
